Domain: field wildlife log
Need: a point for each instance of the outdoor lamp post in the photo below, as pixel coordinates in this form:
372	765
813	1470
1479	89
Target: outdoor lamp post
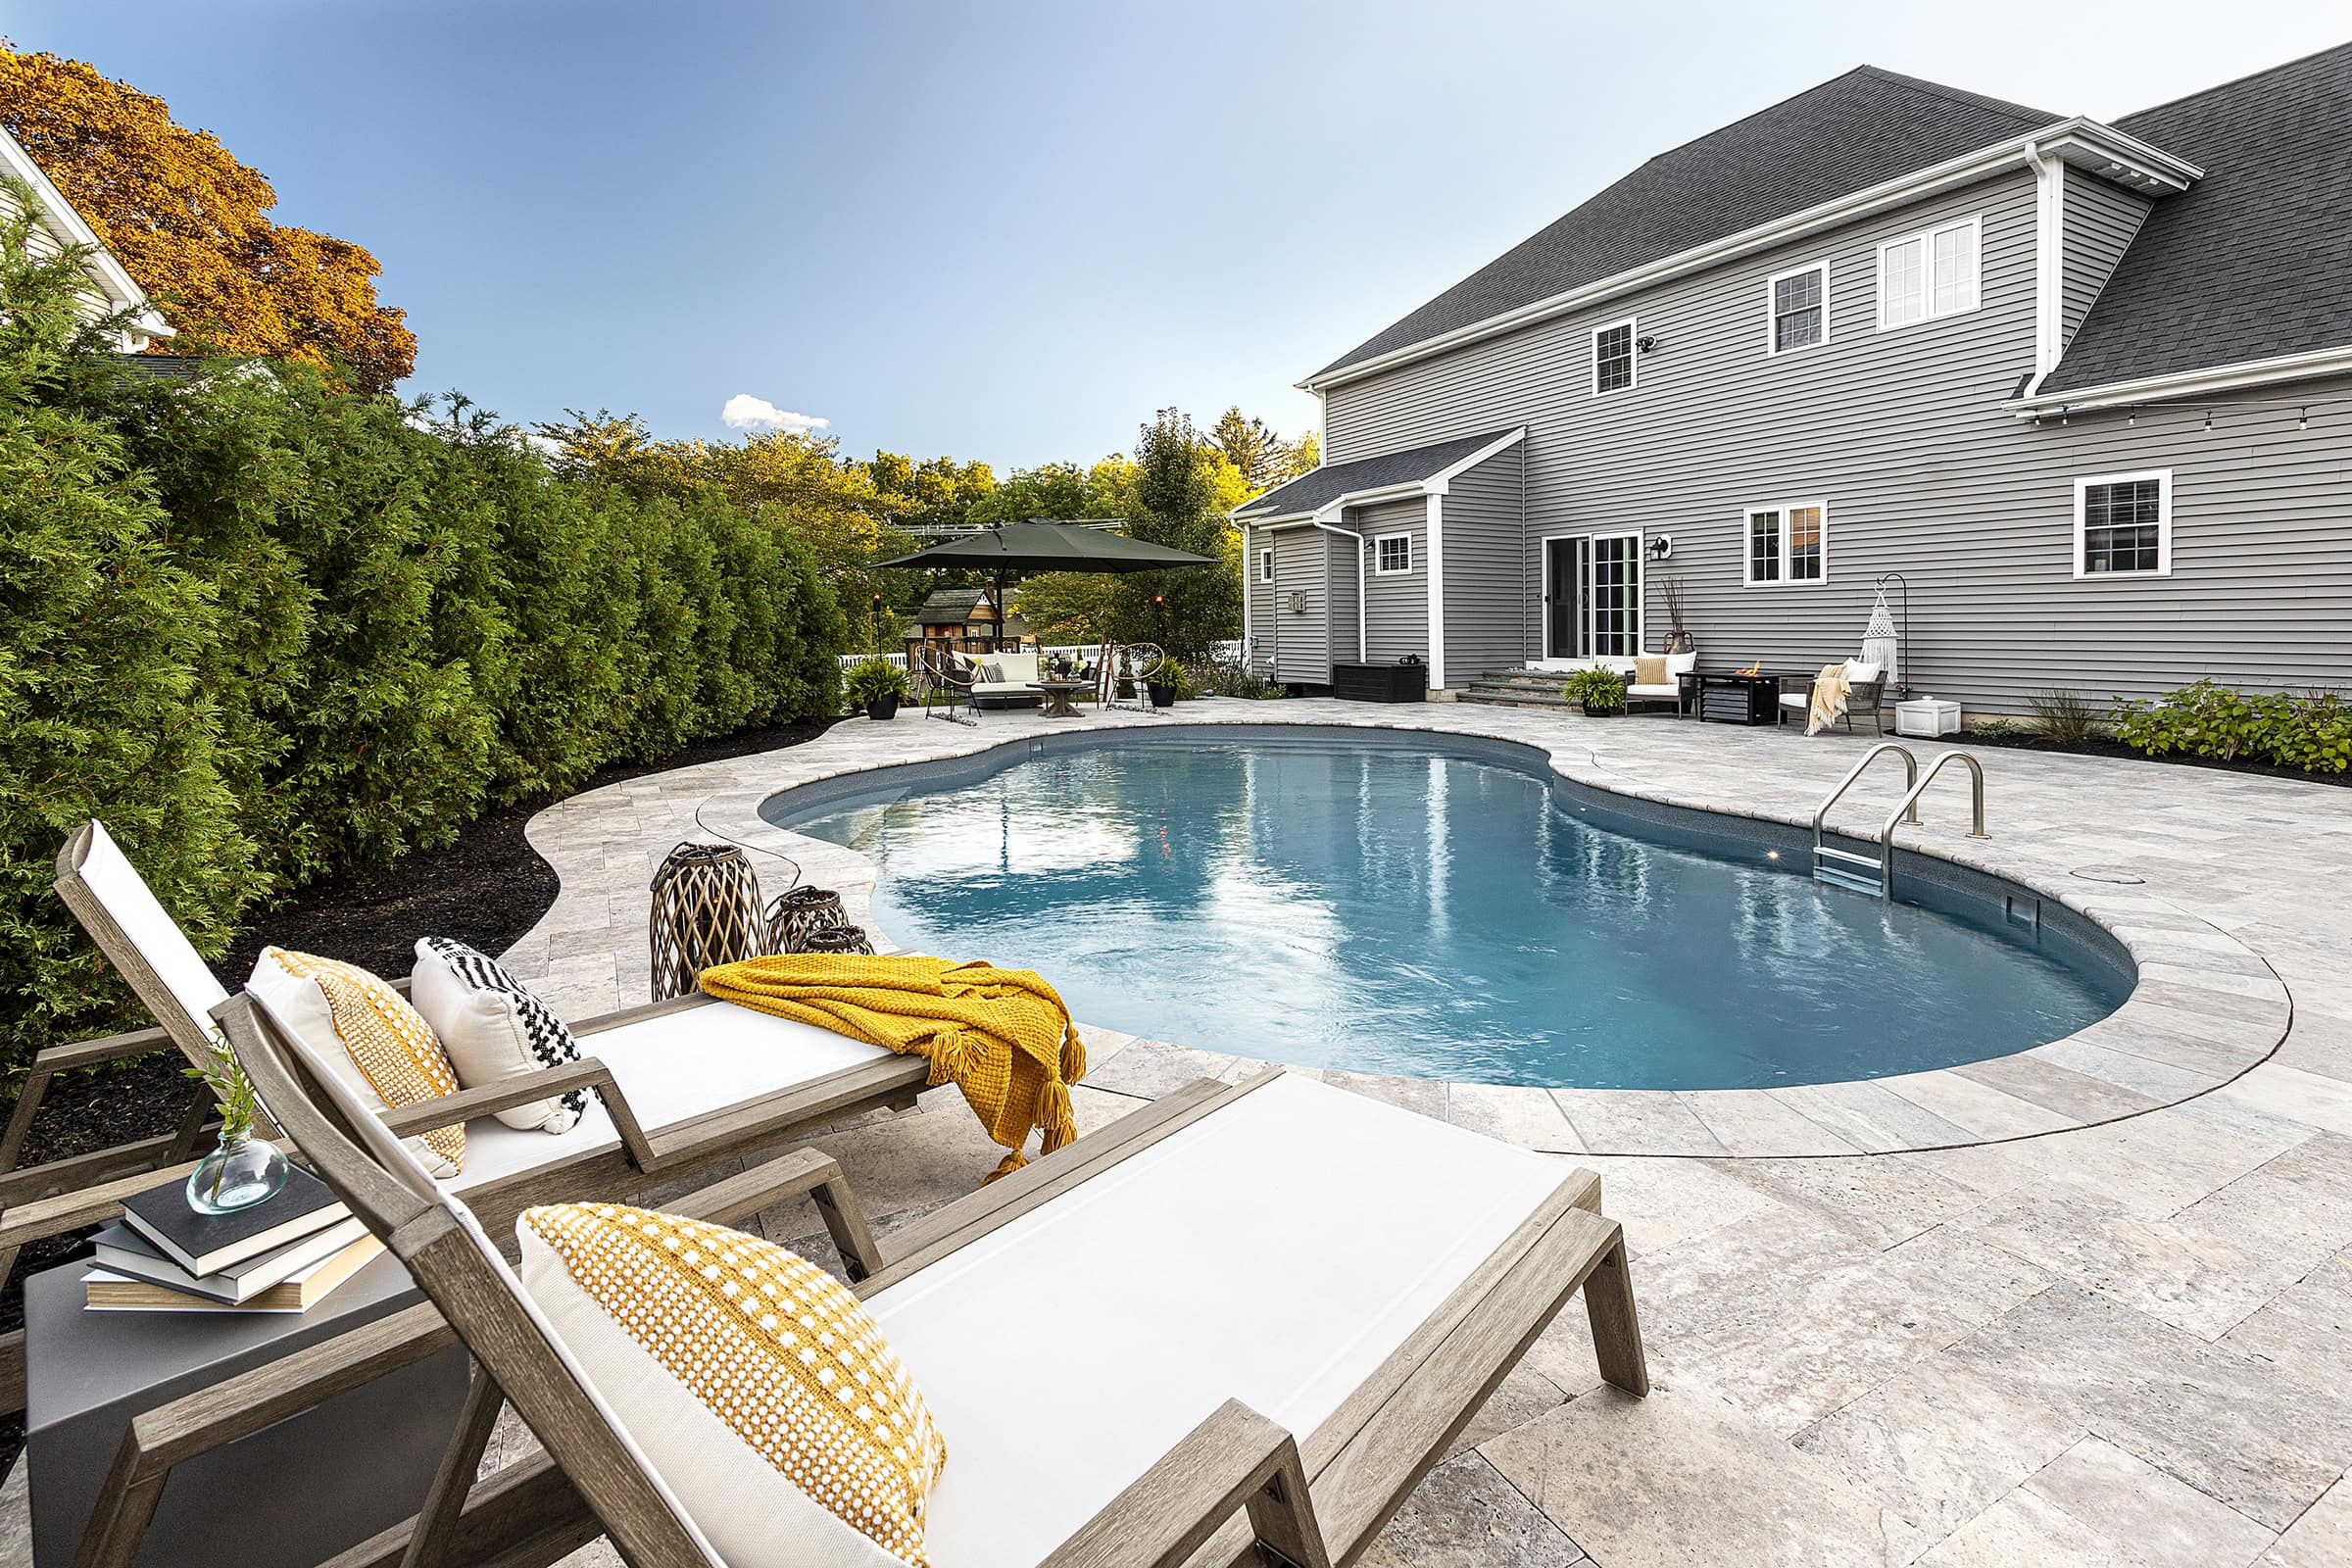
877	624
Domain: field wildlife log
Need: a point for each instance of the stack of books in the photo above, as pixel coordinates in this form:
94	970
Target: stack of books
282	1256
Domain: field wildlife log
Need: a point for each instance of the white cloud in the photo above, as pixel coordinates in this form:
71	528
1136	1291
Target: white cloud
745	412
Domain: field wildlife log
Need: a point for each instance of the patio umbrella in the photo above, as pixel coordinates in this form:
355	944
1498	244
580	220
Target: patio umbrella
1008	549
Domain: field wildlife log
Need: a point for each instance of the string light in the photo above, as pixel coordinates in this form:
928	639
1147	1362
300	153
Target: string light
2302	418
2208	419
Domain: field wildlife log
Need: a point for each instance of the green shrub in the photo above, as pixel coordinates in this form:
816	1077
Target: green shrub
2065	716
270	629
1599	690
1233	677
2205	718
871	679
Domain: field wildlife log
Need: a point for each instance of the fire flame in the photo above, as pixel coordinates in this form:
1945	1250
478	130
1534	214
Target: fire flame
1756	669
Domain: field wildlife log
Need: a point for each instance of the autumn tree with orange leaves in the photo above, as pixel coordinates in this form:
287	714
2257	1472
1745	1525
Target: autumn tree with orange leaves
191	224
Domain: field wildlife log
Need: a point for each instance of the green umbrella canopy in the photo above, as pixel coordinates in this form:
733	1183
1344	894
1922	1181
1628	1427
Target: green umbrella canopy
1010	549
1042	545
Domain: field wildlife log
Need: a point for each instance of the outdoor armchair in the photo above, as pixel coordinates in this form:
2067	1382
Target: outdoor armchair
1865	693
1275	1306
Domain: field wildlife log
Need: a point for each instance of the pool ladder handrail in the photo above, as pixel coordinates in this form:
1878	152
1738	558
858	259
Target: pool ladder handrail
1906	811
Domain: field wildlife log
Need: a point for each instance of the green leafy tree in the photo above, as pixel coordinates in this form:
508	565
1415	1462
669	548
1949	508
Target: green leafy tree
1183	488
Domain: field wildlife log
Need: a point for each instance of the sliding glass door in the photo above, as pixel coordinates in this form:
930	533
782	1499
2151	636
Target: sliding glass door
1592	596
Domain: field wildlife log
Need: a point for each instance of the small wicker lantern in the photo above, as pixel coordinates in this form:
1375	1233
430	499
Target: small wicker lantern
797	913
844	938
705	911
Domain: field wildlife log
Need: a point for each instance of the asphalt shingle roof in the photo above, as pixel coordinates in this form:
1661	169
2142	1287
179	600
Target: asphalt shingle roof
1857	130
1333	480
2253	261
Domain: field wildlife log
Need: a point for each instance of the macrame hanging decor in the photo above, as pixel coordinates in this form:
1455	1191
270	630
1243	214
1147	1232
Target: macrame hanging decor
1880	643
798	914
706	912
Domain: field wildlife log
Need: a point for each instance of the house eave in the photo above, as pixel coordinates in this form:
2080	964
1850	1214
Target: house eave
1436	484
2185	385
2085	143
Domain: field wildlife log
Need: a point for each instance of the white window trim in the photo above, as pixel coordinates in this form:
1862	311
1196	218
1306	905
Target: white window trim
1633	339
1379	570
1265	563
1772	316
2164	523
1747	559
1975	285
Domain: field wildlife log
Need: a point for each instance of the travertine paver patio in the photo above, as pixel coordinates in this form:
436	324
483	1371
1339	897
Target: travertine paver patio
2125	1344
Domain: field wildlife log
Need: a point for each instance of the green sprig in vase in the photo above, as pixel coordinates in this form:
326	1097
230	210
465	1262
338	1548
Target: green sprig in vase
243	1170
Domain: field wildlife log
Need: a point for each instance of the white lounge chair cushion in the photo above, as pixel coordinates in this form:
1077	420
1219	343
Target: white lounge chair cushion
123	894
1667	689
756	1383
671	1067
1015	669
1801	700
493	1028
1277	1251
367	1036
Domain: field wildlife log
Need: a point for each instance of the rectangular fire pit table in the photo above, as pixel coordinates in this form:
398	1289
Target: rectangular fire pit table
1736	697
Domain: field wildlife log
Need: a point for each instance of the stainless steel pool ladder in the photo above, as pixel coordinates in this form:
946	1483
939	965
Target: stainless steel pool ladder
1882	866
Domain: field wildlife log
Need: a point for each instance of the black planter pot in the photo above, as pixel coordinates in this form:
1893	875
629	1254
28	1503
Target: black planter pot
1603	713
1163	696
882	709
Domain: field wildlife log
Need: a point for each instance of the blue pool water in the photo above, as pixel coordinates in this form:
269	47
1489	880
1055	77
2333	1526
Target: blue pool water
1444	917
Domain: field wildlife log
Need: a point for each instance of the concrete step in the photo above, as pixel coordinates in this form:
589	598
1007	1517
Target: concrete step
1509	697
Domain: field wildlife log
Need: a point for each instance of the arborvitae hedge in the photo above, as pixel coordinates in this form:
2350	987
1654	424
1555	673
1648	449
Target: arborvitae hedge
269	630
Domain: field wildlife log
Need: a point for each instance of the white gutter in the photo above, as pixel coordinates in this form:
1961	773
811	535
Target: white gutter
2049	261
2179	385
1360	542
2101	149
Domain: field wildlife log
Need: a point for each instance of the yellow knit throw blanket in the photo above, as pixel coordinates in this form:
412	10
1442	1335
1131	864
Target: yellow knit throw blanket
1002	1036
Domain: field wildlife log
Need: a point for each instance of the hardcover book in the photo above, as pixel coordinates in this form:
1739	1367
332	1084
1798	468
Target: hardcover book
206	1244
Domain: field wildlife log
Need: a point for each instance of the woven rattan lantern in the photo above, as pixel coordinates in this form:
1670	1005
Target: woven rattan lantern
705	911
797	913
844	938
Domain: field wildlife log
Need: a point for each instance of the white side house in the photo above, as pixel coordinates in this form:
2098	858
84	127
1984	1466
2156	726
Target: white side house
63	226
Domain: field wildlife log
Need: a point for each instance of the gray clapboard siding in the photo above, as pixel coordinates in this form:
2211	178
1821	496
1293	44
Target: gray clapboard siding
1396	608
1339	580
2099	221
1263	603
1486	568
1902	435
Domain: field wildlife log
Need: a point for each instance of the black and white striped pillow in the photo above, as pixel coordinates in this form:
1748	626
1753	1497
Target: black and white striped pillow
494	1028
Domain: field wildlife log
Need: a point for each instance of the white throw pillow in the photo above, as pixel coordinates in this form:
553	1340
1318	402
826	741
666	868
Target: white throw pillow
493	1029
1016	669
1862	673
381	1049
756	1385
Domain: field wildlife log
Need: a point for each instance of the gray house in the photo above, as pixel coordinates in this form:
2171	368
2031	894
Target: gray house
2086	388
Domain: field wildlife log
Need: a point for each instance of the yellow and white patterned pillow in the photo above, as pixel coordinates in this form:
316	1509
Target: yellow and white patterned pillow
393	1057
755	1382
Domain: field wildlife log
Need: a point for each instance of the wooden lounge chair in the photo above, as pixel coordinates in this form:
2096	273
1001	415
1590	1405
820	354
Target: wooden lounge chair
679	1083
1220	1270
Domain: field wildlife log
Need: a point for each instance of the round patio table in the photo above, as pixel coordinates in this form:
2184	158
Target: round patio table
1057	697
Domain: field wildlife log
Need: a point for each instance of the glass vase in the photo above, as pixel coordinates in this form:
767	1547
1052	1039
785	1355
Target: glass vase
240	1172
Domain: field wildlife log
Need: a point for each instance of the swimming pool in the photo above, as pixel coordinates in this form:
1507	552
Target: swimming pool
1436	908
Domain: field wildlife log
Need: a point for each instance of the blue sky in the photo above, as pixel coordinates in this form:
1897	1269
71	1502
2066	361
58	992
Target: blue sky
1007	231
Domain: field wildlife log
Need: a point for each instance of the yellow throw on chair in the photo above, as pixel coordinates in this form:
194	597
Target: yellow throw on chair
1830	690
1002	1036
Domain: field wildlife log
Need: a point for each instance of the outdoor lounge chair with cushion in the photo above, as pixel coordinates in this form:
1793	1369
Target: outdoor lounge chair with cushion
1003	680
680	1083
1669	690
1865	686
1210	1275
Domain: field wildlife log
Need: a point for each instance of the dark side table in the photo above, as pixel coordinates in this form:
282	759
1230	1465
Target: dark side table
290	1496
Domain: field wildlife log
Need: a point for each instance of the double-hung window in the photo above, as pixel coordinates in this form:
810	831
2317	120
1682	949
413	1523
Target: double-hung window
1265	565
1799	306
1392	555
1612	357
2124	525
1931	274
1787	543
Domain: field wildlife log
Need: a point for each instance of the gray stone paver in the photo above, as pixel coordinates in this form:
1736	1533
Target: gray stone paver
2115	1343
2120	1343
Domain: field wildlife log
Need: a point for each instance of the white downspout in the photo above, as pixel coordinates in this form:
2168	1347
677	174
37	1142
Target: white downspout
1249	573
1360	542
2049	262
1437	587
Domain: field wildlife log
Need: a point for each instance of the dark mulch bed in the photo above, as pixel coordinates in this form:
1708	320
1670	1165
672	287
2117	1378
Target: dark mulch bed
2116	749
487	887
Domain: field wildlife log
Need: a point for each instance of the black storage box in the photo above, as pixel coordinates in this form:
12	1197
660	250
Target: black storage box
1380	683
